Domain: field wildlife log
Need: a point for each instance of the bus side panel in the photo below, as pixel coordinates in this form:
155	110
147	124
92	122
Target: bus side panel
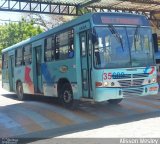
23	74
5	79
28	86
52	72
19	75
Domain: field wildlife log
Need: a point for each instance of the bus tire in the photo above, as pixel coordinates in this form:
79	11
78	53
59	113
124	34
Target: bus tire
19	91
114	101
66	95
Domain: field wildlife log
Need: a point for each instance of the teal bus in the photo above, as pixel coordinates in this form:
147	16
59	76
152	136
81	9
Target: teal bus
96	57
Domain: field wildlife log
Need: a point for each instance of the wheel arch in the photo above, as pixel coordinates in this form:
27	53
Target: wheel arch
61	82
18	81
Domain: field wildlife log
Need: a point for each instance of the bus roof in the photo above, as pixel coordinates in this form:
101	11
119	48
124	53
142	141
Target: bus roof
69	24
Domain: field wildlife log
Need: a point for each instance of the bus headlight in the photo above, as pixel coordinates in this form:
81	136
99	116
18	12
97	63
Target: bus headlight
154	80
105	84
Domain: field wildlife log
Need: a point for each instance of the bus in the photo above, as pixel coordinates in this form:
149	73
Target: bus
96	57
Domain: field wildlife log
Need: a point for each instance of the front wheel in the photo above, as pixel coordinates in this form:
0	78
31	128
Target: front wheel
114	101
19	91
66	95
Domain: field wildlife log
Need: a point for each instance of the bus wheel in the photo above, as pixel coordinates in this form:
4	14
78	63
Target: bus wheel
66	95
114	101
19	91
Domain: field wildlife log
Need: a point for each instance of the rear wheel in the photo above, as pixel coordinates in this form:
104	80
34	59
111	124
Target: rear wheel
114	101
66	95
19	91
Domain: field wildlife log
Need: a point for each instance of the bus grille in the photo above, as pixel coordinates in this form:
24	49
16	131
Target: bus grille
128	83
132	92
140	75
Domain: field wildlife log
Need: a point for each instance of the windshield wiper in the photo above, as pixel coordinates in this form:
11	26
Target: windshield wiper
135	37
117	35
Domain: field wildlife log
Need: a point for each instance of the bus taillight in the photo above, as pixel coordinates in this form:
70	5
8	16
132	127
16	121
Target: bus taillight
99	84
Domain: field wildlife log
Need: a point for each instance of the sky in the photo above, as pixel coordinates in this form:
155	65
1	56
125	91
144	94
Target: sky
13	16
16	16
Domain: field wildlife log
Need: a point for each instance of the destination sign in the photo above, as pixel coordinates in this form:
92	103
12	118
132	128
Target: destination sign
119	19
129	21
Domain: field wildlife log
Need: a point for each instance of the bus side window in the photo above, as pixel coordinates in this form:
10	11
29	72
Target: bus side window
83	46
5	61
49	48
71	44
64	45
19	57
27	54
57	48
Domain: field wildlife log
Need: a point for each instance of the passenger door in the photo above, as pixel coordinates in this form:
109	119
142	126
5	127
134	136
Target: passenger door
38	61
11	72
85	64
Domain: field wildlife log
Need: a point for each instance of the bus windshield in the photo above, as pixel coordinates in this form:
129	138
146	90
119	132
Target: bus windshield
121	46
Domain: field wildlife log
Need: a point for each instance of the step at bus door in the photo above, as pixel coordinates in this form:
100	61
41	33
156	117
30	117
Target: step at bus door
85	64
11	72
38	76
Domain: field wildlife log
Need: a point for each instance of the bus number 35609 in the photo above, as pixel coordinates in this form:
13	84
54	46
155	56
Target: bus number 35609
114	75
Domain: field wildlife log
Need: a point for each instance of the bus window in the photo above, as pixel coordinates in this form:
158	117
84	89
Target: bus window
5	61
57	48
49	48
27	55
70	51
19	57
83	45
64	45
137	45
146	43
111	48
71	44
141	46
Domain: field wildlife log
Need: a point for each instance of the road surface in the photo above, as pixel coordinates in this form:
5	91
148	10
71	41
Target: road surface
42	117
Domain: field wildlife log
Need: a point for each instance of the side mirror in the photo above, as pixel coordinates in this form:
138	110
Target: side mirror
155	42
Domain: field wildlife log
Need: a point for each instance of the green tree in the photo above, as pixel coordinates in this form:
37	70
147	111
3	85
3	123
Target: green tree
12	33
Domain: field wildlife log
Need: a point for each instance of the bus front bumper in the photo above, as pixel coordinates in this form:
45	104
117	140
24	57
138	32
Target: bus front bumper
104	94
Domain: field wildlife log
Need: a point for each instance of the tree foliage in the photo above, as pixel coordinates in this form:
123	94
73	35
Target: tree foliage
12	33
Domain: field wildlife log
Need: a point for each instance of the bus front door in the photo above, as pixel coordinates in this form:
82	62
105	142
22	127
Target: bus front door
38	78
11	72
85	64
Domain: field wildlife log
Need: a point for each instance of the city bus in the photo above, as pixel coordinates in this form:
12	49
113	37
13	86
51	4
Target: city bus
96	57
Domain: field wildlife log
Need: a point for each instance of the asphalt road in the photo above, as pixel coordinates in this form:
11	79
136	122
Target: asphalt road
42	117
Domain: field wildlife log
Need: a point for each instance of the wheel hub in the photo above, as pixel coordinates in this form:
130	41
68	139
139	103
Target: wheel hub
67	96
